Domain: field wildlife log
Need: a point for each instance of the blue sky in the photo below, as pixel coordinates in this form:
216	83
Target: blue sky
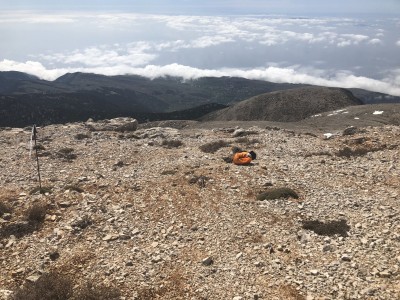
326	7
349	43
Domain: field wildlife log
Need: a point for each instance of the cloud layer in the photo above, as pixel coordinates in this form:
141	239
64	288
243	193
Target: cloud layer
344	52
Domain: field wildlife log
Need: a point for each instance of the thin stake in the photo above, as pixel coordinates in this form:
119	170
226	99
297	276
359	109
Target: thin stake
37	157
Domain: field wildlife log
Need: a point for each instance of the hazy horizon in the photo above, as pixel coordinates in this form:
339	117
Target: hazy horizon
353	44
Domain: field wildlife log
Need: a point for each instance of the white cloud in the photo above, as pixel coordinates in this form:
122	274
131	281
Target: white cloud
207	41
375	41
389	85
134	54
344	43
398	43
34	18
32	67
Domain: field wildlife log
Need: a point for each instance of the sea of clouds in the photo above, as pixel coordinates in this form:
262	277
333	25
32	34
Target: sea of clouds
343	52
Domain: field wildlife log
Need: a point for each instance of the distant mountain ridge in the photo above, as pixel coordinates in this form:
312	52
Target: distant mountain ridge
286	106
26	99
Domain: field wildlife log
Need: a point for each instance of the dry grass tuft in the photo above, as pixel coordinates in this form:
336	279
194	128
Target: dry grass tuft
36	213
175	286
51	286
213	147
359	151
171	143
288	292
92	291
81	136
4	208
66	154
41	190
246	141
276	193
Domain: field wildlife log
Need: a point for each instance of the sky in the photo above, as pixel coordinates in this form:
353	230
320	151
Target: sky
351	44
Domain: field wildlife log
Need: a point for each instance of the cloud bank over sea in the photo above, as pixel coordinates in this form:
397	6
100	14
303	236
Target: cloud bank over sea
329	51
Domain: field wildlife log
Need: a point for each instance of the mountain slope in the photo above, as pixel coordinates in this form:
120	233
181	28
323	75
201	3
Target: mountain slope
286	106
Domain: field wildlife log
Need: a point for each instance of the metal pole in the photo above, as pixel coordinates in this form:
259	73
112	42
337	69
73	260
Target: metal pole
37	157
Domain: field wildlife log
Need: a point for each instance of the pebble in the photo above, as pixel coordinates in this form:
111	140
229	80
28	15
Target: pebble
207	261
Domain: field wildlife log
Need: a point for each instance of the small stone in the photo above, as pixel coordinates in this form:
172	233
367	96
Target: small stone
129	263
239	255
237	298
33	278
123	236
110	237
54	255
208	261
384	274
346	258
328	248
258	264
154	244
314	272
6	216
64	204
18	272
10	243
156	259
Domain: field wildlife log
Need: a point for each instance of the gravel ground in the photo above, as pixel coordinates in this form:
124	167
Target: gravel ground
159	219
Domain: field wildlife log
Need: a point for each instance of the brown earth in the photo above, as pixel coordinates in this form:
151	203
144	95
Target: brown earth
161	219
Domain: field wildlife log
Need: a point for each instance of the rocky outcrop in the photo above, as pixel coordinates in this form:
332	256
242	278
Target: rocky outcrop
116	124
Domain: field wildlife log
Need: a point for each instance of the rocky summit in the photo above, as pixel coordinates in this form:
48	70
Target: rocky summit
161	213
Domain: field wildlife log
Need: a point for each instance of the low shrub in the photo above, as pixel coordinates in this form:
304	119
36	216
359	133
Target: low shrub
358	151
288	292
39	147
50	286
276	193
247	141
171	143
330	228
90	291
56	286
18	229
213	147
41	190
83	222
4	208
36	213
81	136
74	188
66	154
